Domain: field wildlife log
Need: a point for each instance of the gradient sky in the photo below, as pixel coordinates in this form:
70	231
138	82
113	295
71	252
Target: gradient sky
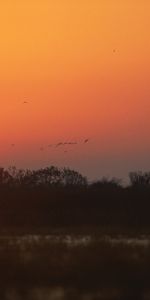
83	66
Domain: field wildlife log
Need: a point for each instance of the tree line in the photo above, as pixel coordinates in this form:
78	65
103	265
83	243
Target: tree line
60	197
54	176
50	176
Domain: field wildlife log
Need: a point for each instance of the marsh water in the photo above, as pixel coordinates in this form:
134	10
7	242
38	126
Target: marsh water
86	267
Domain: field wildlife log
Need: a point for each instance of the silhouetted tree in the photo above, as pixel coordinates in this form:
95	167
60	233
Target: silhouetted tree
5	177
19	177
140	179
46	177
107	183
73	178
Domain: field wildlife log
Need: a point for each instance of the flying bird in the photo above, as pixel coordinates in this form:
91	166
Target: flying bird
59	144
70	143
86	141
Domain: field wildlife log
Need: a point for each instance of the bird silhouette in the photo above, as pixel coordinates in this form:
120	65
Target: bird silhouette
70	143
86	141
59	144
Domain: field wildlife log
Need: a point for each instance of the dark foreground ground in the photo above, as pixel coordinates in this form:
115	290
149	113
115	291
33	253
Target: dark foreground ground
42	269
60	203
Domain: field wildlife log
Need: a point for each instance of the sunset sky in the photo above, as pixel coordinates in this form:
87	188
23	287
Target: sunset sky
83	66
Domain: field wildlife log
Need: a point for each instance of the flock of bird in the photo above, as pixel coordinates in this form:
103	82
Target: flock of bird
59	144
67	143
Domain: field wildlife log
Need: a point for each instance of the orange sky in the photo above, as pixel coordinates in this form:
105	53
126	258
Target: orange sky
83	66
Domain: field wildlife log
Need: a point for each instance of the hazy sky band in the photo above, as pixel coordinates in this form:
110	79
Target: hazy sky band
83	67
